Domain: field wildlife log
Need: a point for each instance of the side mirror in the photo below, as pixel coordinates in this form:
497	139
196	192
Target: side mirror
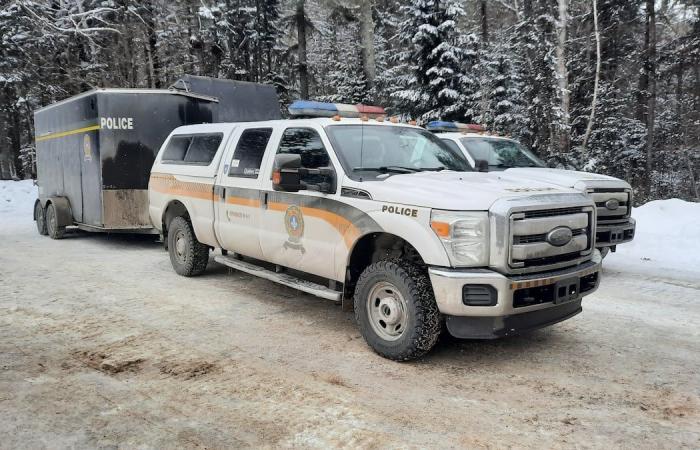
481	165
285	174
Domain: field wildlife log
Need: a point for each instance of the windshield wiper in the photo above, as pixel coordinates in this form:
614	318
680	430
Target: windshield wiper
385	169
431	169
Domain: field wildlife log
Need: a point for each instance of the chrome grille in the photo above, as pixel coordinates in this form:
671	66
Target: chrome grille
529	247
618	197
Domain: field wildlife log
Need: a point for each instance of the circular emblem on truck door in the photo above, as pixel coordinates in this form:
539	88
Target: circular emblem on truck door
294	222
560	236
612	204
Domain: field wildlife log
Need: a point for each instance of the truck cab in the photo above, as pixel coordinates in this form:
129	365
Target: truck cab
378	215
488	152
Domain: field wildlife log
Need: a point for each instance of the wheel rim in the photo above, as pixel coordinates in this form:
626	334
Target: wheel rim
40	221
51	219
387	311
180	246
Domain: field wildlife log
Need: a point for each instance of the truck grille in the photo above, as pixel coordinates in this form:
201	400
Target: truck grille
612	205
531	248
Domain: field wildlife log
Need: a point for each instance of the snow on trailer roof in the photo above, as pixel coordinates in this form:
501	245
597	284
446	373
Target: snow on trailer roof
126	91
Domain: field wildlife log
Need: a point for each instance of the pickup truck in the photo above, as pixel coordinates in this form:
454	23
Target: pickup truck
487	152
380	216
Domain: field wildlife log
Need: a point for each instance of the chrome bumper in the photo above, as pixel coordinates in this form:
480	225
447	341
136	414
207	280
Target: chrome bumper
608	235
448	286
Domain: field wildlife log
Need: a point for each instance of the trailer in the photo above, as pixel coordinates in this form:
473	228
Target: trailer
95	150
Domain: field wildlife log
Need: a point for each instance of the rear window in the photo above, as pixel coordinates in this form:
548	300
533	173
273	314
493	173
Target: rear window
198	149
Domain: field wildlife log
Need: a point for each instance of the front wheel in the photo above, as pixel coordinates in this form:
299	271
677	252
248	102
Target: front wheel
188	256
40	217
396	311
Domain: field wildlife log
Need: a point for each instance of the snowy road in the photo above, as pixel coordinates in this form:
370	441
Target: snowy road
102	345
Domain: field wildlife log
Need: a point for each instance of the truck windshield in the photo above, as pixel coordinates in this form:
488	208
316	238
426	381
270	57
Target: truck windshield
375	151
501	153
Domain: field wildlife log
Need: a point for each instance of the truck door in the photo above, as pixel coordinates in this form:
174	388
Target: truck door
239	198
299	230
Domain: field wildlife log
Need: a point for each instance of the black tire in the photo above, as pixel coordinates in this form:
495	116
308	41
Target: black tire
192	257
53	230
422	326
40	215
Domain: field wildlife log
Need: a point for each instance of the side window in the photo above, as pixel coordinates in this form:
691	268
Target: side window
453	145
177	149
307	143
198	149
249	152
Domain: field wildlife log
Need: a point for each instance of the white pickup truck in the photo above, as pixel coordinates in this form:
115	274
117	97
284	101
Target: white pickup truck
486	152
380	216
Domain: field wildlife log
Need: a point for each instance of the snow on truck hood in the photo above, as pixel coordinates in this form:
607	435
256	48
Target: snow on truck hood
462	191
567	178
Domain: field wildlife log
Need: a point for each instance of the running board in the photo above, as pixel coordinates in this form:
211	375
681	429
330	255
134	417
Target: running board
281	278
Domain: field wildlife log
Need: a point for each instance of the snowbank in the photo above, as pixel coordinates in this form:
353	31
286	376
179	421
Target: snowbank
17	203
667	241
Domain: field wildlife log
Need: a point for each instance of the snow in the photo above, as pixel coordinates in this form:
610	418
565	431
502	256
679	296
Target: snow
667	241
17	203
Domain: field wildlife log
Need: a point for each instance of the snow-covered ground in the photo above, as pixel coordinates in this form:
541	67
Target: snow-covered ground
16	202
667	241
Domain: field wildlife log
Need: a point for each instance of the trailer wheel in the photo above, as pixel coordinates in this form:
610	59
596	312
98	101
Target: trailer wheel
53	229
396	311
40	217
188	256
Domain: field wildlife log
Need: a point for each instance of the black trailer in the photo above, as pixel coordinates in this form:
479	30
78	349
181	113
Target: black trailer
95	150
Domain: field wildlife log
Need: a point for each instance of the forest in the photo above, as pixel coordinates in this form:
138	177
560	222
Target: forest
608	86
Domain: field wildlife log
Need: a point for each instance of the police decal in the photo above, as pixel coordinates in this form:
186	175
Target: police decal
294	223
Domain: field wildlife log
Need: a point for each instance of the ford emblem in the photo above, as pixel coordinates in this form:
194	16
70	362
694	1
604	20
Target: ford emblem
612	204
560	236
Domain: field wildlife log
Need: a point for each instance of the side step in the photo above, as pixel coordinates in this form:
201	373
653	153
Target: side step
281	278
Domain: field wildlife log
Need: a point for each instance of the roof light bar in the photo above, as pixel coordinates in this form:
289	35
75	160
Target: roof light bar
311	108
441	125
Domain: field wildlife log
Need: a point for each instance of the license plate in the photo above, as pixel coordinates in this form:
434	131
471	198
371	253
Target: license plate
567	290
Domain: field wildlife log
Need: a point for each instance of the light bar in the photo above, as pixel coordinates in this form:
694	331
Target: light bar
321	109
441	125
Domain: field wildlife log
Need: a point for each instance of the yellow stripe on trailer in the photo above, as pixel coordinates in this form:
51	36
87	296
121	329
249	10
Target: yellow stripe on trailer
67	133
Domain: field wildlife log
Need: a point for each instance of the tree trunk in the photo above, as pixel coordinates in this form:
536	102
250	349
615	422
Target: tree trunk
301	50
589	127
563	75
651	99
484	22
367	42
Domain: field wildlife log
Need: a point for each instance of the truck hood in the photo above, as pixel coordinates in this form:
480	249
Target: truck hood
567	178
463	191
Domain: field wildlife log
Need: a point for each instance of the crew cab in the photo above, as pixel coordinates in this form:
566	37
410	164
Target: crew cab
488	152
381	216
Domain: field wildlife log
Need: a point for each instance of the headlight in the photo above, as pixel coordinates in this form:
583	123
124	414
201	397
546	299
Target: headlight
465	236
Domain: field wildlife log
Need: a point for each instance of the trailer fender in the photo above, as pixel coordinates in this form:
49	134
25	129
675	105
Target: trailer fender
64	215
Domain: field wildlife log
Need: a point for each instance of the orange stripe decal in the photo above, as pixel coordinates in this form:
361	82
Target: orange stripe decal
342	225
242	201
168	184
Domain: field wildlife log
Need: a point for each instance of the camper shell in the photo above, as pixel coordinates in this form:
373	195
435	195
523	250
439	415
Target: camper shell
95	150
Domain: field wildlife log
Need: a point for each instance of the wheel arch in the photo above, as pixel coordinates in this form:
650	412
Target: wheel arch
370	248
64	213
174	208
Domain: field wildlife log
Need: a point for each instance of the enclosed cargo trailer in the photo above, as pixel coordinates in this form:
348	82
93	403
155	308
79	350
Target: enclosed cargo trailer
95	150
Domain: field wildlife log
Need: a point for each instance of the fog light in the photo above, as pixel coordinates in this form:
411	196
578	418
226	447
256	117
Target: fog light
479	295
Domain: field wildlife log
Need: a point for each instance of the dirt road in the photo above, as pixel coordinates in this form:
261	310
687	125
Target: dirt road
102	345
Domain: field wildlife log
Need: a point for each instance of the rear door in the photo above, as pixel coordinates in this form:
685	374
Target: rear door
239	199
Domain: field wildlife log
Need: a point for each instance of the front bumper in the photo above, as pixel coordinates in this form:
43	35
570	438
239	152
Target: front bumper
520	302
608	235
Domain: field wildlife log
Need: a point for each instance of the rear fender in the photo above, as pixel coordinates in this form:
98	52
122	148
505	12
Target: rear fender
64	214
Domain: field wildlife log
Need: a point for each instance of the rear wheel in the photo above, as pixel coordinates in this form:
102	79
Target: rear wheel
53	229
188	256
40	215
396	311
